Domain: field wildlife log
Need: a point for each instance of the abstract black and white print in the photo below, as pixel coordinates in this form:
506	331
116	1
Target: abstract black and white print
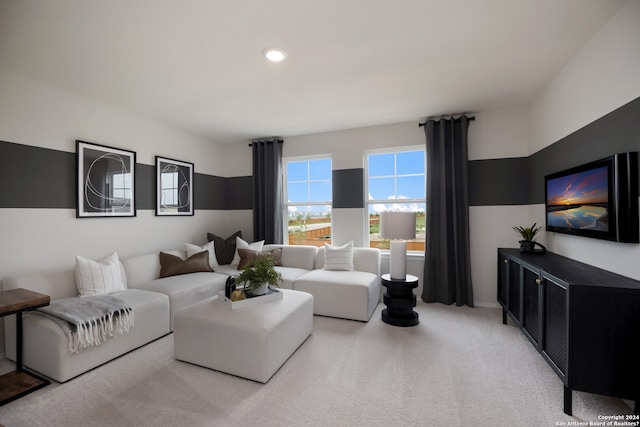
106	181
174	181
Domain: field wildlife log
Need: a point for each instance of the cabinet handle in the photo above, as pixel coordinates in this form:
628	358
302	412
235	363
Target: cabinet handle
538	281
506	262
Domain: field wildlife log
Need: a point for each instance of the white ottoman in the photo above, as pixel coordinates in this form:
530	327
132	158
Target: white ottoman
251	342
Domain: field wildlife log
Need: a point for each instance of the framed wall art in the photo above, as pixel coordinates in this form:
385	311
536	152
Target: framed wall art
105	181
174	182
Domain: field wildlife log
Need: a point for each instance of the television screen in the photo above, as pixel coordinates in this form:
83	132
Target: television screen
598	199
579	200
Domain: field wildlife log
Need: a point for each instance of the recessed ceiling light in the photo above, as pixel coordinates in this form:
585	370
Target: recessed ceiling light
275	54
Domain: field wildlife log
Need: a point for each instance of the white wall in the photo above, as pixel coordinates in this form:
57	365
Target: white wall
35	114
603	76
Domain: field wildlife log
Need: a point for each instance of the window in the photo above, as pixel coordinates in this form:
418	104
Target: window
120	187
396	182
169	183
308	195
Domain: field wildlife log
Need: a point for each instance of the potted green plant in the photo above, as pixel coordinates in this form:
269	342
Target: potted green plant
528	234
258	274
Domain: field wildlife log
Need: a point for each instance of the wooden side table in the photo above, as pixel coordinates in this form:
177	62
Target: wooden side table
400	301
18	383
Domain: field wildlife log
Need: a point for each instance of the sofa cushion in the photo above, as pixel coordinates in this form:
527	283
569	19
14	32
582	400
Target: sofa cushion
171	265
339	258
209	247
186	289
298	256
99	277
225	248
289	275
346	294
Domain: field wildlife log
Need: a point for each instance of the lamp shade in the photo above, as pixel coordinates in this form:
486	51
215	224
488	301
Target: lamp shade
398	225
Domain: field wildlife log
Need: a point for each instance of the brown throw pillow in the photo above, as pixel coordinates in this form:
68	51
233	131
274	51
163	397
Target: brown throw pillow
248	255
171	265
225	248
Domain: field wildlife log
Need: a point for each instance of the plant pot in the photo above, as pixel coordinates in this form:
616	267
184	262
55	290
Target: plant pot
526	246
529	247
260	289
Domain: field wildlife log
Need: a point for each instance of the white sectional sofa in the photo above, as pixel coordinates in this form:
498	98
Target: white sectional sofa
45	344
345	294
337	293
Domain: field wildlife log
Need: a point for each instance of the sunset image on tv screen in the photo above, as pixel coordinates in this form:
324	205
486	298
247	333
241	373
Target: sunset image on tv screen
579	201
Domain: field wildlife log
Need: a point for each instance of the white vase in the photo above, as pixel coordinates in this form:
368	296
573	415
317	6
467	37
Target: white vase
261	290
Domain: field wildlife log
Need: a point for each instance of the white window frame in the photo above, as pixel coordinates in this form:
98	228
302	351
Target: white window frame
287	204
369	202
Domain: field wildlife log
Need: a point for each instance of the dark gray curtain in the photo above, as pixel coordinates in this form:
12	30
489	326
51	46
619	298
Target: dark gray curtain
447	266
267	190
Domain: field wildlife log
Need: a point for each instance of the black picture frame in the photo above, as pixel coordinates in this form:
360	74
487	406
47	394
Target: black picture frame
105	181
174	187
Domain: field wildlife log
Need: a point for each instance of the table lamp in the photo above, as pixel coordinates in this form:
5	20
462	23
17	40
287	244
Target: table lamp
399	227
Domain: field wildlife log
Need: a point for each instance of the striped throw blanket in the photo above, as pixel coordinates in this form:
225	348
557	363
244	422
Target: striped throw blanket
89	321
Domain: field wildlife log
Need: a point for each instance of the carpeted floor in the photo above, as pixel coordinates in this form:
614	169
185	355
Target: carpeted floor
459	367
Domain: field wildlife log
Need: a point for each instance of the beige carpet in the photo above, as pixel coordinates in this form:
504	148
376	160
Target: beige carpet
459	367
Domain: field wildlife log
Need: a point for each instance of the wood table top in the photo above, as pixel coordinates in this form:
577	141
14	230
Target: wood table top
19	299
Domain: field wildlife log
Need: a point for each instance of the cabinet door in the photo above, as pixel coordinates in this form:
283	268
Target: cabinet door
531	317
555	322
514	289
503	279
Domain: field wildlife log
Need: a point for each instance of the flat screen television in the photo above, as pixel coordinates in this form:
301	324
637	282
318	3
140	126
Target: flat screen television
598	199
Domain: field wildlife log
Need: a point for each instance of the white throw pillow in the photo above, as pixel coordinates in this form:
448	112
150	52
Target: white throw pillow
339	257
241	244
100	277
194	249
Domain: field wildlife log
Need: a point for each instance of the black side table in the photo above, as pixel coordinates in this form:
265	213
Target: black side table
400	301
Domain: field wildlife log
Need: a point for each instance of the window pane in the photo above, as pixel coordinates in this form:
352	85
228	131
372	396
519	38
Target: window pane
297	171
411	187
410	162
309	225
168	198
169	180
298	192
381	188
320	191
320	169
381	164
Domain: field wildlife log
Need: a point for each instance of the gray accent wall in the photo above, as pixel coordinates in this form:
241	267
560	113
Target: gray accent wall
497	182
616	132
520	181
32	177
36	177
348	188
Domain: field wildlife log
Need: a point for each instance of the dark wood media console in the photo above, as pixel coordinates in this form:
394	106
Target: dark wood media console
583	320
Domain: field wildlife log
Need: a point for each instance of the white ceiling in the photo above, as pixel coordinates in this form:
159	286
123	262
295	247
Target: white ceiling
197	64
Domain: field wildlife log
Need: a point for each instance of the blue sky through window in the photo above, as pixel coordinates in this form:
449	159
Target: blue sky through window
309	181
392	179
396	176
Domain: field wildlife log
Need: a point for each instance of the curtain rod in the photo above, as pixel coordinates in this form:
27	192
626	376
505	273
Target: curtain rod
273	139
442	117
